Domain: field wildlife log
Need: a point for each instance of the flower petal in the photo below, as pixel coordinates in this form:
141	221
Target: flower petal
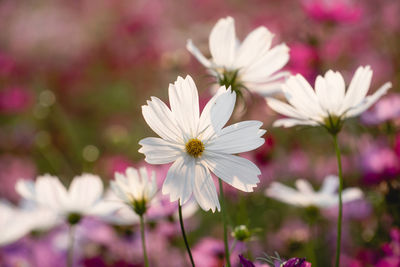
236	171
197	54
178	183
216	113
204	189
222	42
330	185
159	151
161	120
255	45
50	192
358	88
293	122
237	138
184	101
369	101
84	192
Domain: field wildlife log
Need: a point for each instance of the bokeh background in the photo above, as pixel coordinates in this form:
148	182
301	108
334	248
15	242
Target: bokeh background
73	77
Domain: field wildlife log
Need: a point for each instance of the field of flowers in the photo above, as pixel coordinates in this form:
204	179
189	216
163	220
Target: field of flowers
200	133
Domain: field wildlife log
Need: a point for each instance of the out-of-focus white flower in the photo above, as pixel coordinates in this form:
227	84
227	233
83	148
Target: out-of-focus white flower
252	64
305	196
84	196
329	104
135	189
13	223
198	143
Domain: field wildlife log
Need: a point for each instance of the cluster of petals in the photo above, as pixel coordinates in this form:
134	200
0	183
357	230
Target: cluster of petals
84	196
258	65
305	196
178	125
329	100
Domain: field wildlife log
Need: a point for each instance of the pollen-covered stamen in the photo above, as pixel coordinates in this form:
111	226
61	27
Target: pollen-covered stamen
194	147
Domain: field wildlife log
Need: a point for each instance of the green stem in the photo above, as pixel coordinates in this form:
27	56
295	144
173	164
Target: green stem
184	235
70	255
339	222
225	220
146	260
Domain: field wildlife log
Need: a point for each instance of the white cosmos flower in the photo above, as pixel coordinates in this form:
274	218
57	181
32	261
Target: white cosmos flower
198	143
135	188
330	103
84	196
256	63
305	196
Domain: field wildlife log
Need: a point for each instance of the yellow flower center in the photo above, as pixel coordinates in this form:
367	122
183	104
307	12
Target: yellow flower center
194	147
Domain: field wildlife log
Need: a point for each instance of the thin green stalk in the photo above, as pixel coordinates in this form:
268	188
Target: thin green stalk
225	220
339	222
184	235
146	260
70	255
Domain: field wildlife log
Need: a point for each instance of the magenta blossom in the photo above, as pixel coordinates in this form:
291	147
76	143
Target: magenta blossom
338	11
15	100
296	262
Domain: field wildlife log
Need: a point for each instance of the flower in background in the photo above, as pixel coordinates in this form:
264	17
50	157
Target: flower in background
252	64
198	143
332	10
83	198
245	262
391	251
388	108
296	262
305	196
329	104
15	100
135	189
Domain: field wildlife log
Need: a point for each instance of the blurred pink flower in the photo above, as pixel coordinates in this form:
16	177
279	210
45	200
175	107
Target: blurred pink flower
14	168
209	252
338	11
303	60
387	108
391	251
15	100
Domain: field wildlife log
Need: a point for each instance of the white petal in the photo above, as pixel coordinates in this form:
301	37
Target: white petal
285	194
358	88
197	54
159	151
285	109
84	192
178	183
26	189
50	192
293	122
300	95
184	101
304	187
222	42
204	189
330	185
335	89
216	113
351	194
369	101
255	45
266	65
236	171
161	120
237	138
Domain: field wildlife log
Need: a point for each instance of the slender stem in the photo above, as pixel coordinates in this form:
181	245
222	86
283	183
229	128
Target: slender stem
146	260
70	255
227	254
184	235
339	222
233	246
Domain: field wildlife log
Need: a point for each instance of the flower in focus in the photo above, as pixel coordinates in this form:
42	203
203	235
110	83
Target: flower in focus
329	104
252	64
198	143
305	196
84	196
135	188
